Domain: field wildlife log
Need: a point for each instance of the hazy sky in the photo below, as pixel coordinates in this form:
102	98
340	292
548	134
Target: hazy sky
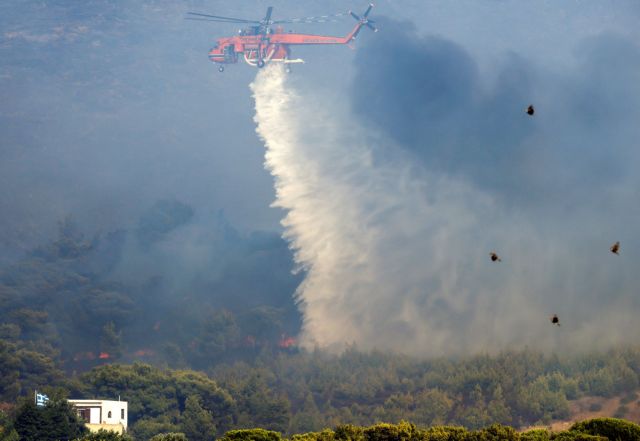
106	107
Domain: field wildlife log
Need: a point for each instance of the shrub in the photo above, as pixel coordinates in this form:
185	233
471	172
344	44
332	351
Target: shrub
105	435
576	436
390	432
173	436
629	398
535	435
348	432
444	433
612	428
621	411
325	435
251	435
498	432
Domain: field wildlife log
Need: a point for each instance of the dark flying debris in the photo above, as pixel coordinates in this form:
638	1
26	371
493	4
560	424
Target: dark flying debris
555	320
495	257
530	110
615	248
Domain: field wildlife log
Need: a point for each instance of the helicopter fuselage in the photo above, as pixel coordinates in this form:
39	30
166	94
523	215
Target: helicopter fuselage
259	49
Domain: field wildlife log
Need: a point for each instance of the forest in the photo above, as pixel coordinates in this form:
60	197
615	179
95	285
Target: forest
99	317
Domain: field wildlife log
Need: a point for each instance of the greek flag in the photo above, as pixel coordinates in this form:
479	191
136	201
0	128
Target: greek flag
41	399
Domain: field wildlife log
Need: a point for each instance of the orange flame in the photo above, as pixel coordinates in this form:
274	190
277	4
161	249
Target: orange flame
286	342
103	355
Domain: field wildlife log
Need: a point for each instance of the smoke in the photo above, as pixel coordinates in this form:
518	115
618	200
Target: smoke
396	251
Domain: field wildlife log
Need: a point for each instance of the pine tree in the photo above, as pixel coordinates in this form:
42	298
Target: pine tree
197	422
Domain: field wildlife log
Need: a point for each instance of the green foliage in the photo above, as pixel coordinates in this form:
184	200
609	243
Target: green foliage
349	432
54	422
153	393
197	423
577	436
612	428
390	432
259	406
251	435
444	433
325	435
495	432
147	428
105	435
7	432
539	402
535	435
169	437
56	306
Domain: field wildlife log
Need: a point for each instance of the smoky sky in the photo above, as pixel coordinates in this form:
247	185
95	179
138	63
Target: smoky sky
107	108
395	198
434	101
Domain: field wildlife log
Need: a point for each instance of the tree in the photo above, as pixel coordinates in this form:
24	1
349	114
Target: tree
54	422
433	407
105	435
197	423
111	341
611	428
251	435
497	407
169	437
147	428
403	431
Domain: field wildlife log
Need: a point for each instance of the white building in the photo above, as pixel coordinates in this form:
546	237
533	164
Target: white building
102	414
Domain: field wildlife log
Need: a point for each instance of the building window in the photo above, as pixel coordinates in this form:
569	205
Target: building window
109	414
85	414
122	414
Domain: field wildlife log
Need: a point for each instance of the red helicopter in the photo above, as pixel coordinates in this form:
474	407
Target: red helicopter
261	43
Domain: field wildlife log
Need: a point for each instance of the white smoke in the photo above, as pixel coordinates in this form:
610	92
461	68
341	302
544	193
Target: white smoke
396	258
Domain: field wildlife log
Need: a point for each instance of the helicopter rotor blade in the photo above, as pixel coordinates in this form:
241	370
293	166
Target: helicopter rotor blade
227	19
372	27
354	15
316	19
366	14
267	18
211	19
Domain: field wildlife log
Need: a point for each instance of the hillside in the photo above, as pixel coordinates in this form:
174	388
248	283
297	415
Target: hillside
626	406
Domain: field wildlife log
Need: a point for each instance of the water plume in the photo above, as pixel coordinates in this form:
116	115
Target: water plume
397	258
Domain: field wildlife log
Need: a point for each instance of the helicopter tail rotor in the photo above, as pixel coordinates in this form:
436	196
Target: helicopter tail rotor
363	21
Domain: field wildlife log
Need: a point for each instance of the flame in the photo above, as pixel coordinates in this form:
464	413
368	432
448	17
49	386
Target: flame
103	356
286	342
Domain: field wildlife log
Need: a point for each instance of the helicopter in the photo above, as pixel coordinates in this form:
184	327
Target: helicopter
261	42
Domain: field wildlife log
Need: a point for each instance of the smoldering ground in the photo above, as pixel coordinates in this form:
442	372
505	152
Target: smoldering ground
395	203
